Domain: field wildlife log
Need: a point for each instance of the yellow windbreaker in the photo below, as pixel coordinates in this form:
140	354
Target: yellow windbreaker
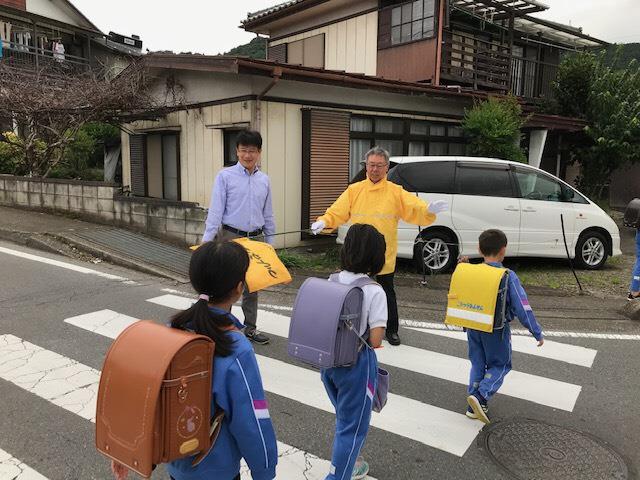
382	205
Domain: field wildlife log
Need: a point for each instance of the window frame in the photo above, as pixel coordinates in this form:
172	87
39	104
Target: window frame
304	42
452	183
515	190
434	32
406	136
563	186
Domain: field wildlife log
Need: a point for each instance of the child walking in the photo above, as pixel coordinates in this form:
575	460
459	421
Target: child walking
490	353
351	389
217	271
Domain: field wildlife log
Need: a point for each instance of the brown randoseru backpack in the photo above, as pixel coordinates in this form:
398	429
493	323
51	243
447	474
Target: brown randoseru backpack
632	214
154	398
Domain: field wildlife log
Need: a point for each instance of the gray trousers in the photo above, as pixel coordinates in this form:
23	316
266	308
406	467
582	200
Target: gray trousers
249	300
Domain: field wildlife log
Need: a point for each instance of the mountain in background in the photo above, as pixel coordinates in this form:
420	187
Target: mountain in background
256	48
619	56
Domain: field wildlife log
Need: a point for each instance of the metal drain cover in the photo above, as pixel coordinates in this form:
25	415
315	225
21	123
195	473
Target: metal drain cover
533	450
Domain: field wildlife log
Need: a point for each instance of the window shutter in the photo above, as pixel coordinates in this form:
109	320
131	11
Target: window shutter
314	51
277	53
325	160
138	165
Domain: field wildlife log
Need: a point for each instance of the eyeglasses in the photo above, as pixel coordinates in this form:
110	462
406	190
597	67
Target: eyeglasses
248	151
374	166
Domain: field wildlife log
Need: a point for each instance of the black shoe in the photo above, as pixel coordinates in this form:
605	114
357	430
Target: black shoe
255	336
632	297
393	338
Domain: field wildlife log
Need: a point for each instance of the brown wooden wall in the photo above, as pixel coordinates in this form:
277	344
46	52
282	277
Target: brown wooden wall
325	160
411	62
20	4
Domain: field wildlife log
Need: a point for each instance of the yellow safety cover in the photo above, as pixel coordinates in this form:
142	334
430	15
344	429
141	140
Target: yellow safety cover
265	267
473	295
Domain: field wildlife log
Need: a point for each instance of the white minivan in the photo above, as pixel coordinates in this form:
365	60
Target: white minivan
528	204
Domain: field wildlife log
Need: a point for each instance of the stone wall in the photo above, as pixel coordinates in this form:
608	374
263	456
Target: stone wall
180	222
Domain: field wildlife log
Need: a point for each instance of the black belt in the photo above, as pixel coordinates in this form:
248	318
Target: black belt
241	233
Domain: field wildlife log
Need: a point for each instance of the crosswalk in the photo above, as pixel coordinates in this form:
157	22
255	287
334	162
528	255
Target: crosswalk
72	386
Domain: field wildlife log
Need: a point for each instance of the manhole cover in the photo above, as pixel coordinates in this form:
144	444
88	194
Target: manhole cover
532	450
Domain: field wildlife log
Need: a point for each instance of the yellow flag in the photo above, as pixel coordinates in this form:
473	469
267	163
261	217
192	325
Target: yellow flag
265	268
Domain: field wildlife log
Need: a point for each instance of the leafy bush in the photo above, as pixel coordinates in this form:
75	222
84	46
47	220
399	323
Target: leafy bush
493	127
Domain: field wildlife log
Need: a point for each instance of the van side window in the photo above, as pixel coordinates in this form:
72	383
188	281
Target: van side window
537	186
426	177
486	181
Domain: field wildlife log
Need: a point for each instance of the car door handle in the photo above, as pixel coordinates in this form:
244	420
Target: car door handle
528	210
511	208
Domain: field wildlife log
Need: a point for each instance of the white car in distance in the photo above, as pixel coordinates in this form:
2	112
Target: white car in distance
528	204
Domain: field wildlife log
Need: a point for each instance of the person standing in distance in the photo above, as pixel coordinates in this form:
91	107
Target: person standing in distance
241	207
382	204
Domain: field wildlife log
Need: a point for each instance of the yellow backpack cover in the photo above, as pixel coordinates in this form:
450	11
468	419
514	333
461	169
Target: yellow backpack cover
473	296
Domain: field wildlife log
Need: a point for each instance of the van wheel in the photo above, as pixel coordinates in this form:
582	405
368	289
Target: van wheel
591	251
435	251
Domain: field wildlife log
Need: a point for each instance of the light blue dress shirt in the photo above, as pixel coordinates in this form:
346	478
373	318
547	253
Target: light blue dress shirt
241	200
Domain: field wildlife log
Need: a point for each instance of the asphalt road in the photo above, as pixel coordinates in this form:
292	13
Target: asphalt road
593	389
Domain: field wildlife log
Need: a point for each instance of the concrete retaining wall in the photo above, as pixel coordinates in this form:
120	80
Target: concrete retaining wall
180	222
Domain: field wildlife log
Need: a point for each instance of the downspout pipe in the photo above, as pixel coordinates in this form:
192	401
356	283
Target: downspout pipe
276	73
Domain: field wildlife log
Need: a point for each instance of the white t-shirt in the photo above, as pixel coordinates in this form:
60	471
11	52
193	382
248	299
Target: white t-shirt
374	302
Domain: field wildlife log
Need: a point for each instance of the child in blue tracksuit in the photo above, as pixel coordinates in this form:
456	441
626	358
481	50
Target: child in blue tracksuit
490	353
634	288
217	271
351	389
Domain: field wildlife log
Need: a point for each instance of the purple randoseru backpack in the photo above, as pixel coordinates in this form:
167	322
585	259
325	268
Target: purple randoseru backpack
325	324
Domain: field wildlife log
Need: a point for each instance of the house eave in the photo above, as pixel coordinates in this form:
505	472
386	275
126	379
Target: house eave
264	17
39	19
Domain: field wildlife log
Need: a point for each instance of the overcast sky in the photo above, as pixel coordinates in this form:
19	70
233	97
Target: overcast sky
211	26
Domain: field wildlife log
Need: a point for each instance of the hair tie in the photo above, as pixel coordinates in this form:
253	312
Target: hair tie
204	296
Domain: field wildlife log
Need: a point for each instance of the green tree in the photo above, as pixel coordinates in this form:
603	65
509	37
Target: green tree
256	48
609	100
84	156
493	127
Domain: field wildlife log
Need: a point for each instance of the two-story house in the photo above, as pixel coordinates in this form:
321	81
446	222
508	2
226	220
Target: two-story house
493	45
37	33
340	77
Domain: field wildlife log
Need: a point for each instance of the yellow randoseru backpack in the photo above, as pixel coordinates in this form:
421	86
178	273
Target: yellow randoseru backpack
477	297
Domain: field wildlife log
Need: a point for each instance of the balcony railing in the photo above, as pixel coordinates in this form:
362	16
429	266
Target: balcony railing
486	65
532	79
23	56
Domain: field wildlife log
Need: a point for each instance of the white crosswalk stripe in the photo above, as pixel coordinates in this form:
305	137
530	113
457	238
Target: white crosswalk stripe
13	469
561	352
61	380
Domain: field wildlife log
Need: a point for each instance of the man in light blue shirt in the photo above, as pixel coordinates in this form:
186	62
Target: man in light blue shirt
241	207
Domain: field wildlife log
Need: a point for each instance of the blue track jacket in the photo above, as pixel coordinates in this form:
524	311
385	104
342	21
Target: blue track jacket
518	304
246	430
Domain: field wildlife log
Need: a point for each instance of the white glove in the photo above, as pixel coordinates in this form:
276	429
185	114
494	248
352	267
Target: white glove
438	206
318	226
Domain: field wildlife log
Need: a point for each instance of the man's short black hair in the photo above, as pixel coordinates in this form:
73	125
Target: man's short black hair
363	250
249	138
491	242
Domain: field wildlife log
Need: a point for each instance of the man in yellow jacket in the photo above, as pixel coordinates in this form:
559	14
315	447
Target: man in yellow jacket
381	204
